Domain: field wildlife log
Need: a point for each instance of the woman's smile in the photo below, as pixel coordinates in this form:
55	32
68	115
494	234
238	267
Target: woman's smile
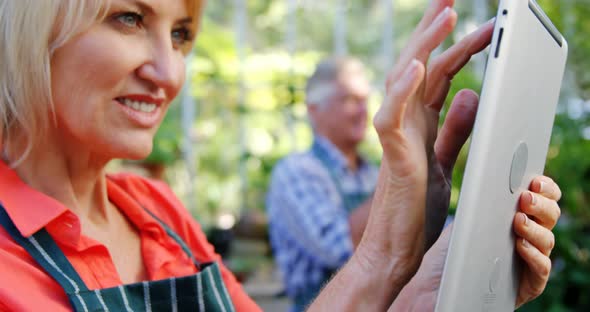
143	110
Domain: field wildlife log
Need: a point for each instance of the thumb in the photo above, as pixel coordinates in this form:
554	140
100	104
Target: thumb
421	292
456	129
433	263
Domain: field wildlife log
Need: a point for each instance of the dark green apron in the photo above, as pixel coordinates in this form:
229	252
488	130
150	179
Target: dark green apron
204	291
351	201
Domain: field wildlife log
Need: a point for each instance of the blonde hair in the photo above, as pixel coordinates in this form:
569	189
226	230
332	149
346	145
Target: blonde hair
195	9
30	32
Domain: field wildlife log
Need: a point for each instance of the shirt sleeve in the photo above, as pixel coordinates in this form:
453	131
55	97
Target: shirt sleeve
304	204
191	232
3	307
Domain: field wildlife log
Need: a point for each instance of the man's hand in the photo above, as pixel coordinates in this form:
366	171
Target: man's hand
456	128
421	292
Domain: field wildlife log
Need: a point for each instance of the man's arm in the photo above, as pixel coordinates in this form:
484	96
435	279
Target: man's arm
302	200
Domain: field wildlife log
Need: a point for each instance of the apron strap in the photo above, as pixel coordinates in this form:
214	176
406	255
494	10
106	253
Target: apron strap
350	201
47	254
176	237
172	234
209	287
323	158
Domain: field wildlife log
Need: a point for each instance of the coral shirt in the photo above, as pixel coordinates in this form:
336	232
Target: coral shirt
24	285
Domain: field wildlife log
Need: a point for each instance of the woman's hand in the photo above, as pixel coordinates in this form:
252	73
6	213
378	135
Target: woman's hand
414	178
394	238
540	215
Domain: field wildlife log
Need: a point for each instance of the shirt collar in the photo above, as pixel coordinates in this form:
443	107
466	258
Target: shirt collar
130	206
29	209
322	147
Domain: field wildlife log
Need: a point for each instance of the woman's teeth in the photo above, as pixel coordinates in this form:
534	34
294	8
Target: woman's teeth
140	106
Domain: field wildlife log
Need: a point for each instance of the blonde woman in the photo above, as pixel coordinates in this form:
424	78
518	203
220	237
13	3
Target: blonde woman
83	82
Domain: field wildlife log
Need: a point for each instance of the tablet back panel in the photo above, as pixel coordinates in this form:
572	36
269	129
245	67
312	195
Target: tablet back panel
515	117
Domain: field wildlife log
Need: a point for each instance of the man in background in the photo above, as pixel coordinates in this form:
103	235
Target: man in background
319	200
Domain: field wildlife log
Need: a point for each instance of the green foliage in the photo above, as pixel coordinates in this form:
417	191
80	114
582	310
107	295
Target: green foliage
166	148
571	17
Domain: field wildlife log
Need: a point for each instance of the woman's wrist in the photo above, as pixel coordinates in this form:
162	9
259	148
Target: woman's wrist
356	287
391	272
365	283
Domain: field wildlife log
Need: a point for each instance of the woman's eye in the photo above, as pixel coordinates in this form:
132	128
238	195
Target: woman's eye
181	36
130	19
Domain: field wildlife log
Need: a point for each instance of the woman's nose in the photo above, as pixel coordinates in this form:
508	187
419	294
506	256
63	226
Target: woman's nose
165	69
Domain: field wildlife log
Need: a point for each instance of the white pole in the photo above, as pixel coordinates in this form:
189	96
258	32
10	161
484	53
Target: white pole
387	57
240	29
291	44
570	90
188	114
480	10
569	19
291	33
340	28
480	15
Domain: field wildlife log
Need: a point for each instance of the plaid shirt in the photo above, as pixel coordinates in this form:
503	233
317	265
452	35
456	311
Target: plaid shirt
309	227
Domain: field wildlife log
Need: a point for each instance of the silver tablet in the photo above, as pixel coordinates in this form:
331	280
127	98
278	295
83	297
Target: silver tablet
508	149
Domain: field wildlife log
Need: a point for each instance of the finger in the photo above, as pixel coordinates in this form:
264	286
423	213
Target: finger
449	63
432	12
391	114
430	15
456	129
544	210
540	237
435	34
441	245
538	264
547	187
421	47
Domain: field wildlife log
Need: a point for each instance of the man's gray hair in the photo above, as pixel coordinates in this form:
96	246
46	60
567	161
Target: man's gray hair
320	86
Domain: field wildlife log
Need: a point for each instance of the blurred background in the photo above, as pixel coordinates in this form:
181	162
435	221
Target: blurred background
242	110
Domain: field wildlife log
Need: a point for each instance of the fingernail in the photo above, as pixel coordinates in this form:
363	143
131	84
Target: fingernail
441	16
533	198
412	69
525	243
541	186
526	219
445	11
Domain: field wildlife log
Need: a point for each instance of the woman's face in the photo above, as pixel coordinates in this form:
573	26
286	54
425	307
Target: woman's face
113	83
